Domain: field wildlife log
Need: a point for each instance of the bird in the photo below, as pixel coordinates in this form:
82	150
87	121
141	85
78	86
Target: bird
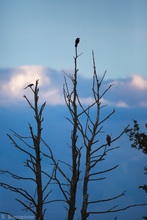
108	139
77	41
30	85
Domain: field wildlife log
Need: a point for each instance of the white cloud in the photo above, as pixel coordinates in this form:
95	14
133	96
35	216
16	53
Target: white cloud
21	77
128	92
122	104
87	101
138	82
53	97
12	87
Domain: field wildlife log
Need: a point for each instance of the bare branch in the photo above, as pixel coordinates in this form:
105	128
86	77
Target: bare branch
107	200
16	176
104	171
112	210
26	206
17	146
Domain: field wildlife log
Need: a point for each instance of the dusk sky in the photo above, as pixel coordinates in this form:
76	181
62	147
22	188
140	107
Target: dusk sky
43	33
37	42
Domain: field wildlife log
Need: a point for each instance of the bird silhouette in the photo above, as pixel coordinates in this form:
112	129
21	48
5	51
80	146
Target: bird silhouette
30	85
77	41
108	139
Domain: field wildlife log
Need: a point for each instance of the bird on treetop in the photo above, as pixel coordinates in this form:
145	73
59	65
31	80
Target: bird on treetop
77	41
108	139
30	85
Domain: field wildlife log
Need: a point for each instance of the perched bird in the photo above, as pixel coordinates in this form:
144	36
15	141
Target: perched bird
77	41
30	85
108	139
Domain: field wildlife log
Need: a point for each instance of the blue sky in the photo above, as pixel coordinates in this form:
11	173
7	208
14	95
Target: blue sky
43	33
56	132
37	42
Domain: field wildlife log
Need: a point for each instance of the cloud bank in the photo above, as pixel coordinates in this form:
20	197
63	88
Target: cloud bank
13	81
129	92
125	93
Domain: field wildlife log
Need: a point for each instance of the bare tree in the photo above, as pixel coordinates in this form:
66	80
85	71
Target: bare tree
36	200
91	133
90	145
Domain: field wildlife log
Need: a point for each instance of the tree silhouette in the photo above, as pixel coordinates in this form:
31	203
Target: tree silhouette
90	131
35	201
139	141
90	147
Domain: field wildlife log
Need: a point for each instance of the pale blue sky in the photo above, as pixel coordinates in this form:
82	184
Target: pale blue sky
42	32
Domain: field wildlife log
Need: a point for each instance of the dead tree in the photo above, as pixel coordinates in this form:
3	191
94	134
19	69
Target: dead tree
91	132
88	141
36	200
68	184
71	99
